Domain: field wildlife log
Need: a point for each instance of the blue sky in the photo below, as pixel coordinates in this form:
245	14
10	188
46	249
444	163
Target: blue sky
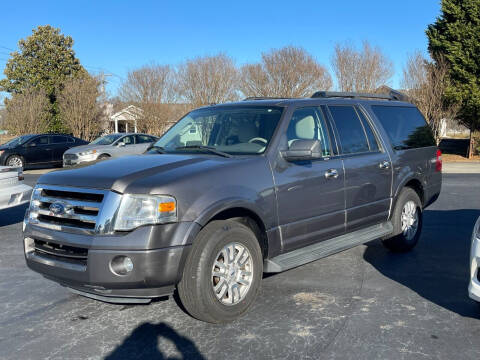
117	36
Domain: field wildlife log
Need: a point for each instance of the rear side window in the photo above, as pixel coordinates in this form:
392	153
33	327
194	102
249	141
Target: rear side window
59	139
350	129
142	139
405	126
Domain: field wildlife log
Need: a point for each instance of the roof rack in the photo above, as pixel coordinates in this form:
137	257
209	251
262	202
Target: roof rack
263	98
392	95
352	95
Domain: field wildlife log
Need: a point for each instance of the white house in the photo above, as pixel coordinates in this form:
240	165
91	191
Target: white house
126	119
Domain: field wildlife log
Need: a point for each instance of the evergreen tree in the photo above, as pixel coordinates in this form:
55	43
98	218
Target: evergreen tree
455	36
44	61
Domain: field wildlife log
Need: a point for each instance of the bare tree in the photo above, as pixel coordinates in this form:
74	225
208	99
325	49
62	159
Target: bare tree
425	84
27	112
79	108
286	72
152	89
360	70
148	84
207	80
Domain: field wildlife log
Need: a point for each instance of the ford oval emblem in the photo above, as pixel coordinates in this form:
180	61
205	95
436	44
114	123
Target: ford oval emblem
57	208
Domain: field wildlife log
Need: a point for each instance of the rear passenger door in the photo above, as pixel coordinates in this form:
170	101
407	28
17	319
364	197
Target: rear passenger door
59	144
368	170
143	142
311	202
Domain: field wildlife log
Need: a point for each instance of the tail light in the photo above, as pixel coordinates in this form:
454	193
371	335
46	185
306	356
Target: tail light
438	162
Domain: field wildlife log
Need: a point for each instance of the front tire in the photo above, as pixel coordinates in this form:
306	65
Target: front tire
407	220
16	161
223	272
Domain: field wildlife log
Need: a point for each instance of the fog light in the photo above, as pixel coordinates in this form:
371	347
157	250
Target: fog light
121	265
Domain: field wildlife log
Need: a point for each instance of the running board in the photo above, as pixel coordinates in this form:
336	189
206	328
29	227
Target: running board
325	248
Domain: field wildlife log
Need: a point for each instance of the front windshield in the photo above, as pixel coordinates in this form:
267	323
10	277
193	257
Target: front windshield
232	130
106	140
18	141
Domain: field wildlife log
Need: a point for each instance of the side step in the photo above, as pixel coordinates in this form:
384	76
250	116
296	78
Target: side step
325	248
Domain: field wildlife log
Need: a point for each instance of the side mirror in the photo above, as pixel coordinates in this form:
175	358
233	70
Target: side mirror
303	150
32	144
121	144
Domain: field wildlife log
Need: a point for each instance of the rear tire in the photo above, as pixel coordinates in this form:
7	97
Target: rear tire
15	160
407	220
222	273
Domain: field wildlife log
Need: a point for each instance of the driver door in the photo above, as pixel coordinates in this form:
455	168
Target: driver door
310	194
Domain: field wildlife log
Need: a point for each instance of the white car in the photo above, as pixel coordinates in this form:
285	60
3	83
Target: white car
13	191
474	286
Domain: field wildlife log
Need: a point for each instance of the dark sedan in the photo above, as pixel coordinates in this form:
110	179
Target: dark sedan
37	150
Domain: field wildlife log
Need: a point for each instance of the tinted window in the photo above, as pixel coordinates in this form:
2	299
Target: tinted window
42	140
372	140
142	139
350	129
405	126
309	124
59	139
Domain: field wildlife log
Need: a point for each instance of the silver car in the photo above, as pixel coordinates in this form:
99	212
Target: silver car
108	146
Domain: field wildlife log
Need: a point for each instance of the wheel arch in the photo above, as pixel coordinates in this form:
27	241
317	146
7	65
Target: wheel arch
246	216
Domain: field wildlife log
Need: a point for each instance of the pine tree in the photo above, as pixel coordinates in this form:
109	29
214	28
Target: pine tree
455	36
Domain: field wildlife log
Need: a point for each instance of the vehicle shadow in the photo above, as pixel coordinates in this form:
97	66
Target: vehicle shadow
438	268
143	343
12	215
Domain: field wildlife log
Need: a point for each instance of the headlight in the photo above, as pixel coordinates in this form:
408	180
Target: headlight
476	230
137	210
89	152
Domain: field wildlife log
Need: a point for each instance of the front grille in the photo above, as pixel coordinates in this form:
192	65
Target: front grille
70	157
56	251
69	209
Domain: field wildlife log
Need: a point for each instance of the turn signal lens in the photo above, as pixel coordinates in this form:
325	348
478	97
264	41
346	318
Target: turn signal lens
166	207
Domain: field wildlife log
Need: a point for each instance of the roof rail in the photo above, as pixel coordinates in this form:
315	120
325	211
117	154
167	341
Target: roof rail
352	95
391	95
263	98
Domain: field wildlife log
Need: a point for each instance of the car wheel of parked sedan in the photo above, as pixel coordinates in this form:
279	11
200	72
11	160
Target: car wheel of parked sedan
15	160
223	272
104	157
407	219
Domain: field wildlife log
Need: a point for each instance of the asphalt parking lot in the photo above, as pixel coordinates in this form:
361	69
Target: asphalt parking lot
364	303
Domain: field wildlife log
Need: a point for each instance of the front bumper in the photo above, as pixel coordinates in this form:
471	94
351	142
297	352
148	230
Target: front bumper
15	195
474	284
72	161
157	252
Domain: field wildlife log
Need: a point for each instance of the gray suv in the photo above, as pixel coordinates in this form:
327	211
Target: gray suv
233	191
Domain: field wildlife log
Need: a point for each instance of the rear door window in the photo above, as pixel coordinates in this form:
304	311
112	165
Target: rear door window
372	140
142	139
352	135
406	127
57	139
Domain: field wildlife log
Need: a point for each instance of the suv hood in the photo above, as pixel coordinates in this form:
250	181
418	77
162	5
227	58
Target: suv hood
118	174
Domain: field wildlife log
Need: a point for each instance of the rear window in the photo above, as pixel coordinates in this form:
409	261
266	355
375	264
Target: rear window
406	127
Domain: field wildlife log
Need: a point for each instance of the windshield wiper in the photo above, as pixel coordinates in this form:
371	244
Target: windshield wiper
210	149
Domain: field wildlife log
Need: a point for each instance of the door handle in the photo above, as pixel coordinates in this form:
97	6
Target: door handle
331	174
384	165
